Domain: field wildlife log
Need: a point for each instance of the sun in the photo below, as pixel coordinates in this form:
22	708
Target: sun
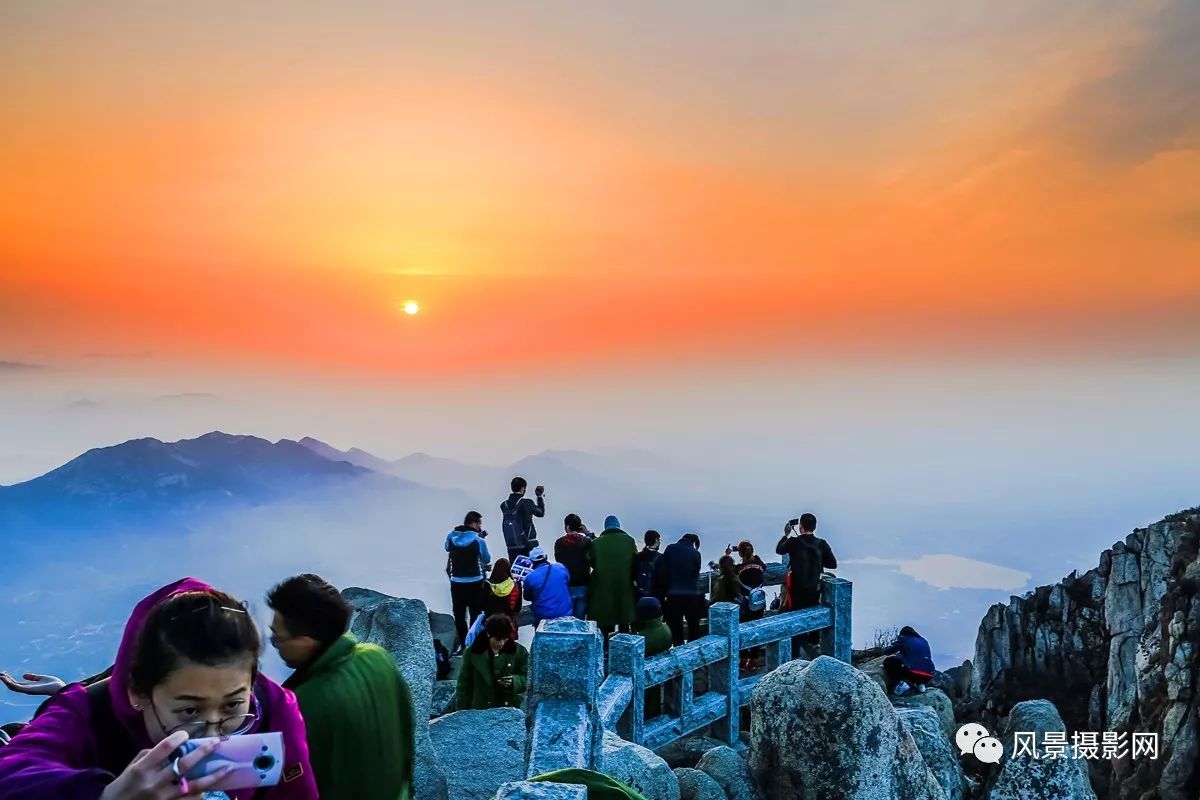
411	308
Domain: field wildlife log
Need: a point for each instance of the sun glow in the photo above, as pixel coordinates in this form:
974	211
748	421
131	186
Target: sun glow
411	308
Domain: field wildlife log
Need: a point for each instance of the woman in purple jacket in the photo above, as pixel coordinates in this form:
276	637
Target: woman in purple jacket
187	667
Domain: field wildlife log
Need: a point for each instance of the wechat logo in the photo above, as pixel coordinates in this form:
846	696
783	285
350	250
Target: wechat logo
975	739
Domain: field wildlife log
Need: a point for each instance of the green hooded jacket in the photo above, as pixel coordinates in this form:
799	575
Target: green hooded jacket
480	670
613	557
658	640
359	716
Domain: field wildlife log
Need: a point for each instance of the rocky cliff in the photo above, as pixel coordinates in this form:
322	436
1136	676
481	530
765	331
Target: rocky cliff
1116	649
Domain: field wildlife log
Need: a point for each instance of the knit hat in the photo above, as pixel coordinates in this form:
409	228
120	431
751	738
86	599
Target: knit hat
648	608
537	554
611	522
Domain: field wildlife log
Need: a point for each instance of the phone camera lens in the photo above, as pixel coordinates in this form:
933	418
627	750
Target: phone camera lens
264	763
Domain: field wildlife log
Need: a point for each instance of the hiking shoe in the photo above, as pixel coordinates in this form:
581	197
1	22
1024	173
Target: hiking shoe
921	688
901	689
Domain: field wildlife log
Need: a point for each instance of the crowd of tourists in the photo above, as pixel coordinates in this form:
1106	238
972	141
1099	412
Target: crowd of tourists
187	667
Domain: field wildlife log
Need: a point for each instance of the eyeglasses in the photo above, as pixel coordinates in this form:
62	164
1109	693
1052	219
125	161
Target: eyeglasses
228	726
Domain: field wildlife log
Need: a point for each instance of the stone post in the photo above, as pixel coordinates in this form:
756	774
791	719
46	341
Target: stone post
724	675
627	657
835	640
565	672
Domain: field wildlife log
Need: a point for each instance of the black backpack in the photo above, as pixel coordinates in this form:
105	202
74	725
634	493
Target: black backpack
806	564
514	531
441	658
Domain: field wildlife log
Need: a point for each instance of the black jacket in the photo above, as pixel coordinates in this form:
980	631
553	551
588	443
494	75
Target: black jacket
677	571
527	509
571	550
643	575
808	555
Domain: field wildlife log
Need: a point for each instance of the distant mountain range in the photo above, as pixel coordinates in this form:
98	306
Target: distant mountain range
148	484
144	482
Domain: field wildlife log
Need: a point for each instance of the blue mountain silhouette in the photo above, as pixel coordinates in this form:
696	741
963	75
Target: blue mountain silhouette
145	482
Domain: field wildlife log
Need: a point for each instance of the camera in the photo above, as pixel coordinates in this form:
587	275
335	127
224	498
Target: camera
794	523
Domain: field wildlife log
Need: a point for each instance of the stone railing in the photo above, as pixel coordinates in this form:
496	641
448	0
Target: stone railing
622	694
572	702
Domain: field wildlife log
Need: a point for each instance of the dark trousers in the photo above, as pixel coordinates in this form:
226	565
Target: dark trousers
894	671
801	599
608	630
464	598
683	608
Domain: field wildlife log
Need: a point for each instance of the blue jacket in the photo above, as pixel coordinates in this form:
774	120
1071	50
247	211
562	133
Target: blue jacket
463	569
914	653
547	590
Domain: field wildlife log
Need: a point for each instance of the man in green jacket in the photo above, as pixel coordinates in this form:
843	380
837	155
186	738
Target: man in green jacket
356	705
613	558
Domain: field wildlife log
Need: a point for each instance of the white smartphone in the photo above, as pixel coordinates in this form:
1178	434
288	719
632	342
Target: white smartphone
256	760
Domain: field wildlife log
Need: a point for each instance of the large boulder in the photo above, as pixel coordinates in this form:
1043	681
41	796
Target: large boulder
443	701
936	701
731	772
688	751
955	682
873	669
934	697
939	754
823	730
1026	778
637	767
442	627
486	749
697	785
401	626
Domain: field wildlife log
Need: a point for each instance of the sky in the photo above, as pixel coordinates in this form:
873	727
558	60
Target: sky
234	187
930	269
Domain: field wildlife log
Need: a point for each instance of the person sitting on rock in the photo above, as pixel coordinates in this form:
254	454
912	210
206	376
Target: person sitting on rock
502	595
187	668
908	664
649	624
495	668
548	589
356	704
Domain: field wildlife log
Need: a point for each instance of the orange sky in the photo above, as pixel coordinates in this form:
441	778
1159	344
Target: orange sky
265	185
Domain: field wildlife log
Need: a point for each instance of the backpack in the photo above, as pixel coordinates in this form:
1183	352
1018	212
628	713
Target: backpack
464	561
805	567
514	531
441	658
756	599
